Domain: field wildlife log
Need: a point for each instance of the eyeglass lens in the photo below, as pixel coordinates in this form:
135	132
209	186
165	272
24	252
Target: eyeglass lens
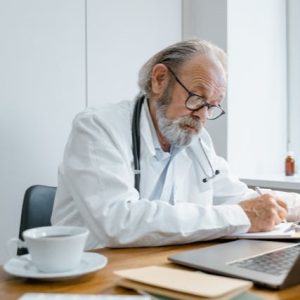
194	103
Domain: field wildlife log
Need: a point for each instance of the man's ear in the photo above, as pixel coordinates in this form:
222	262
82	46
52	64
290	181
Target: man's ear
159	79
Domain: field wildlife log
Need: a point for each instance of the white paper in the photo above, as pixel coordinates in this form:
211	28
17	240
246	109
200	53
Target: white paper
283	230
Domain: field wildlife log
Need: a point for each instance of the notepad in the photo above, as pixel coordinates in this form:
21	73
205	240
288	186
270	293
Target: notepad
281	231
181	284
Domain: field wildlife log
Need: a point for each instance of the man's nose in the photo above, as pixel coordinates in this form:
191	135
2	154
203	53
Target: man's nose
202	113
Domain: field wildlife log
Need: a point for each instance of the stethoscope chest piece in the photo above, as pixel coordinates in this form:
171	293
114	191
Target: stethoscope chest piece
213	172
207	178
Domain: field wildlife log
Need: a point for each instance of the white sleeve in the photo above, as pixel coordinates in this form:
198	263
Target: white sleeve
97	171
227	187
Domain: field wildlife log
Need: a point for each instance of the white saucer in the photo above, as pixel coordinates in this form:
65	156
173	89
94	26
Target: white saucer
23	267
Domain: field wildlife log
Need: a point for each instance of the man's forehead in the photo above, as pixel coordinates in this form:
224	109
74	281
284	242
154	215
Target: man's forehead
207	65
217	88
206	74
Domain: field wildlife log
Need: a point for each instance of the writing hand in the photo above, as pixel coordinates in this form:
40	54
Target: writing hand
264	212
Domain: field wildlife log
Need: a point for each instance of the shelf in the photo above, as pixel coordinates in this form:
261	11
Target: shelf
274	181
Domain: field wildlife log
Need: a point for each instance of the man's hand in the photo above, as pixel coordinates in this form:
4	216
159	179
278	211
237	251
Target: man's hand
293	200
264	212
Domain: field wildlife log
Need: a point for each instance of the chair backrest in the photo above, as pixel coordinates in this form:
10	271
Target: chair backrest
37	209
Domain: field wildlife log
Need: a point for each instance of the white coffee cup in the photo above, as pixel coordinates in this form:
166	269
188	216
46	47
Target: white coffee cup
54	248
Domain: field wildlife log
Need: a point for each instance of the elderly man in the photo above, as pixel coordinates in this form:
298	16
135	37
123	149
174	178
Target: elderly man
145	173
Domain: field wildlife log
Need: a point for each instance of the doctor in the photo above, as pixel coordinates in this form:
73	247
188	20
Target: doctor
145	172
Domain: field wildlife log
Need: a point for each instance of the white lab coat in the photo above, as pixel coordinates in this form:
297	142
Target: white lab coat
96	186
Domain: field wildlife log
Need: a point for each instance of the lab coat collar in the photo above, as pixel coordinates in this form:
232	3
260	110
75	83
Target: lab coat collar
148	132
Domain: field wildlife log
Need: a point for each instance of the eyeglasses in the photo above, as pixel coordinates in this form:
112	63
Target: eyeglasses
195	102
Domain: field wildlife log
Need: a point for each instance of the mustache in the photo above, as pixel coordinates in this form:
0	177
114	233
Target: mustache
189	121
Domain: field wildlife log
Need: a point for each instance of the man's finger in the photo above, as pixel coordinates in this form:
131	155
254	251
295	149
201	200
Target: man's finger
282	203
282	213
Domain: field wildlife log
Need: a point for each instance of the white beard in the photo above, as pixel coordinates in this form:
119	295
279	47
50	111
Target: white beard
174	130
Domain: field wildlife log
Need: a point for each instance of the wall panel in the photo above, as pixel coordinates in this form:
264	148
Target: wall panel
122	35
42	87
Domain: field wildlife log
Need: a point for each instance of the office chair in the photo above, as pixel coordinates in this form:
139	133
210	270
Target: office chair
36	210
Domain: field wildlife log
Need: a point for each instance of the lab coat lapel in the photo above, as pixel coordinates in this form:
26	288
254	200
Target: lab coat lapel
195	151
148	159
145	130
182	167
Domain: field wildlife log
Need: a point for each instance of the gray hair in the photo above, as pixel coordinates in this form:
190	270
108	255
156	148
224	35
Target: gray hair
175	55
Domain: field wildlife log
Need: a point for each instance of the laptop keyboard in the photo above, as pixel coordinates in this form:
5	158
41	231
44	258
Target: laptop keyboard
275	263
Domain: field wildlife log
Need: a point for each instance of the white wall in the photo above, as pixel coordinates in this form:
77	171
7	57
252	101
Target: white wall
294	76
42	87
122	35
207	19
42	75
257	86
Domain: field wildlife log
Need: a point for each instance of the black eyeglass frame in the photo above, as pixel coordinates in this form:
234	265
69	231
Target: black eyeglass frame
191	94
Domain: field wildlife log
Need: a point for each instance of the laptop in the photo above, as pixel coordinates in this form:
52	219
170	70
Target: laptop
275	265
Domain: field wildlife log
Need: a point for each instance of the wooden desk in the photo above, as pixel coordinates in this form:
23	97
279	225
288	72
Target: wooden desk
104	281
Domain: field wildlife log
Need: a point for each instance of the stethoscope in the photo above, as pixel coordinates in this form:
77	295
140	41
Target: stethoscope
136	146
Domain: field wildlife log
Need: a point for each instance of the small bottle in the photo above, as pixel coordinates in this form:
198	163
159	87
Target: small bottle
289	165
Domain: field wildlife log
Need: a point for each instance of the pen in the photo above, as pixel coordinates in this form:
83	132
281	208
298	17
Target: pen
258	190
290	228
